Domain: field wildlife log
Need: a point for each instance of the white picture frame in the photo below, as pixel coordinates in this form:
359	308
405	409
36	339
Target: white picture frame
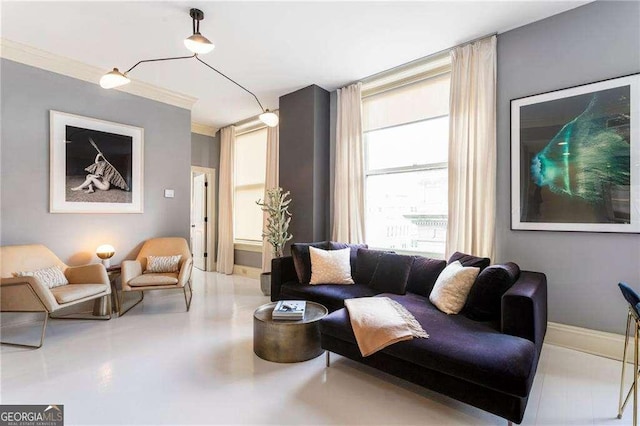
96	166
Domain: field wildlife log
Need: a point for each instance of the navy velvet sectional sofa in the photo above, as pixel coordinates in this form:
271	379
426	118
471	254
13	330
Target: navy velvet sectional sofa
486	356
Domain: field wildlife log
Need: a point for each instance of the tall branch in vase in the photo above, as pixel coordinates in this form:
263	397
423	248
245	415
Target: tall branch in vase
276	230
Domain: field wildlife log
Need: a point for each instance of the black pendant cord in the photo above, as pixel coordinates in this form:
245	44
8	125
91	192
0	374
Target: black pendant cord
159	60
195	55
233	81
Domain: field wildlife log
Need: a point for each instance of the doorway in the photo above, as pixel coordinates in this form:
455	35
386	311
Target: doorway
203	217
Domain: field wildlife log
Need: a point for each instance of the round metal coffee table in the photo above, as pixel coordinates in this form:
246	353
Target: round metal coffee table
288	341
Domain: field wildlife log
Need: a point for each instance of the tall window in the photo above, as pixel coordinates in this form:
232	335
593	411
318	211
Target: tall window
406	134
250	167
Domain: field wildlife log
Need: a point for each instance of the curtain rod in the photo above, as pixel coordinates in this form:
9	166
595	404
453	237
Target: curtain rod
422	59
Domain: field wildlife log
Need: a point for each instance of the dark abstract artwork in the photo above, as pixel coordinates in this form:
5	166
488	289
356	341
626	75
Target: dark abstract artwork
575	159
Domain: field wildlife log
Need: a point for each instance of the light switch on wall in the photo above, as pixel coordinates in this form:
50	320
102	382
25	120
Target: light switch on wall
168	193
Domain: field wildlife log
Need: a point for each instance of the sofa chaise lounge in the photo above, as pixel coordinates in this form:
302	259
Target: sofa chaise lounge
486	356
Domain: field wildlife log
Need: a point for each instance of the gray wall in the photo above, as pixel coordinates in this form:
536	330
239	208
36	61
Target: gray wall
597	41
27	96
205	151
304	161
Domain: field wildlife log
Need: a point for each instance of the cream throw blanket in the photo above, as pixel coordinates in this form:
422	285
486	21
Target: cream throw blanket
378	322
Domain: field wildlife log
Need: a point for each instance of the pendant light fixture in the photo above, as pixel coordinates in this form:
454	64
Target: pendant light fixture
113	79
269	118
199	45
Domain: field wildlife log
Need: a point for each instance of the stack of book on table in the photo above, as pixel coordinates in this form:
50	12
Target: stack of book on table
291	310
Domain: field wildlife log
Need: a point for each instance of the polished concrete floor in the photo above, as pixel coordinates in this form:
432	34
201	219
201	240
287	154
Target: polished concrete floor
160	365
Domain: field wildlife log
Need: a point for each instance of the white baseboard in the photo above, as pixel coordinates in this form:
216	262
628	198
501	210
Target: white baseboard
247	271
609	345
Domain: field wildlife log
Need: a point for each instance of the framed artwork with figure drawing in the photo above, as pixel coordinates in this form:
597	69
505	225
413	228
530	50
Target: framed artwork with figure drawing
575	158
96	166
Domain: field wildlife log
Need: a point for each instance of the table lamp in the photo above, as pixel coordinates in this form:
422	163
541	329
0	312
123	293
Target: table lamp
105	252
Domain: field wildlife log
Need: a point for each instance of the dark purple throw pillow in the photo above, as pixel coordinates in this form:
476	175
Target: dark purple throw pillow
484	300
302	259
423	275
353	254
366	263
392	273
470	260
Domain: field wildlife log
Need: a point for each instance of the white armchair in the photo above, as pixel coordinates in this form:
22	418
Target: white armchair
135	277
29	294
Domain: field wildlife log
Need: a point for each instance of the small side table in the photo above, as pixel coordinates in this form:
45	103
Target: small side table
114	273
288	341
100	305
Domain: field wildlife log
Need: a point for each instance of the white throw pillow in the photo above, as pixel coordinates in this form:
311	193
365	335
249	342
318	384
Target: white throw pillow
330	266
452	287
51	277
160	264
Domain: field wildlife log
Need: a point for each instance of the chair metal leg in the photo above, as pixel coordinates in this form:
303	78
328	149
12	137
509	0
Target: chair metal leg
635	377
44	329
121	303
184	289
636	360
622	404
328	359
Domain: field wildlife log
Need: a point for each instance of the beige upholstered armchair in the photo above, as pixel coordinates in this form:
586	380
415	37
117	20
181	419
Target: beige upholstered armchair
31	294
136	275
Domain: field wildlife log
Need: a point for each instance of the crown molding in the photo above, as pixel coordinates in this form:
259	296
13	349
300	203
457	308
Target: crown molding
48	61
203	129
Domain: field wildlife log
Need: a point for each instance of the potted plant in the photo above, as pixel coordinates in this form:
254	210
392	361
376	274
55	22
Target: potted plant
276	231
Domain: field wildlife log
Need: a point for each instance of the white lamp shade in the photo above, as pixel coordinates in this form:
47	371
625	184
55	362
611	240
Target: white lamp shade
105	251
198	44
113	79
269	118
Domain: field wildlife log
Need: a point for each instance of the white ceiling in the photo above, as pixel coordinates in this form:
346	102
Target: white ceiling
272	48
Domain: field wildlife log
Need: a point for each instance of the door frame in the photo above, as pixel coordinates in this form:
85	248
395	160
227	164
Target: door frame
210	247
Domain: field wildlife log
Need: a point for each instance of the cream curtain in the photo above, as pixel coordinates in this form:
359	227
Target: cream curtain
348	210
472	149
270	182
225	201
